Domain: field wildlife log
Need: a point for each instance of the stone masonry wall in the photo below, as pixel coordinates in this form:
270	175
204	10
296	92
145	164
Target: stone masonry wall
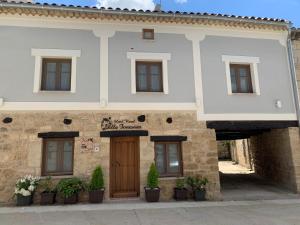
276	156
241	154
21	149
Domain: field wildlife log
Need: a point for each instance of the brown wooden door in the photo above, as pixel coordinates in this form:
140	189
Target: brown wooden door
124	164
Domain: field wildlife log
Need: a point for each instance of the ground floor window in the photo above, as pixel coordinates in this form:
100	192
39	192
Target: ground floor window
168	158
58	156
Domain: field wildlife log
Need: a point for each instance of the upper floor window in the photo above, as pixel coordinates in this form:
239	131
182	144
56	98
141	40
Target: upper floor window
57	156
56	75
240	78
241	74
148	34
149	77
149	72
55	70
168	158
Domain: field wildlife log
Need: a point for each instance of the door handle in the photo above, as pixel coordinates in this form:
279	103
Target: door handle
117	163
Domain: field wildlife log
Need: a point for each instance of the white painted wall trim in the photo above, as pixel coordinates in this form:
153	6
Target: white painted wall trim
39	54
71	23
147	56
248	117
83	106
196	38
252	61
104	36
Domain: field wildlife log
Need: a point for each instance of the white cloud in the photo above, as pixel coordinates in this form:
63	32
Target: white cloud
130	4
181	1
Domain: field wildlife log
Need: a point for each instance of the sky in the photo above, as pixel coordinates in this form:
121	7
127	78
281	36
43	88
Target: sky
285	9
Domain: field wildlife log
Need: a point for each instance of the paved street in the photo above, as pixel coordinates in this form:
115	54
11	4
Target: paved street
240	184
269	212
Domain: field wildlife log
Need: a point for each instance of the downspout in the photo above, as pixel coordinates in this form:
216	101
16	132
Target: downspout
293	74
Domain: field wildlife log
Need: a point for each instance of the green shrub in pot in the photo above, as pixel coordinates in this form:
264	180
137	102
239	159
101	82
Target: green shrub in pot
96	186
198	186
152	190
48	191
69	189
180	191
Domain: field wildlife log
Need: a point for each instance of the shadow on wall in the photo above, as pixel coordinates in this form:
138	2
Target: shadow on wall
276	157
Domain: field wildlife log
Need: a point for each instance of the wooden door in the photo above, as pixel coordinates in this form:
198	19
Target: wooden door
124	167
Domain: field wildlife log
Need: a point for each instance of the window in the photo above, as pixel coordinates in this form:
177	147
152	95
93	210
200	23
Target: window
148	57
148	34
149	77
55	70
56	75
241	74
240	78
57	156
168	158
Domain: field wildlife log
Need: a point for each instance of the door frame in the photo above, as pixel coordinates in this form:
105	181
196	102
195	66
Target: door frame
137	172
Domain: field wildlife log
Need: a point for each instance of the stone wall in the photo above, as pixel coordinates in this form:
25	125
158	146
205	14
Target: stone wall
276	156
21	149
241	154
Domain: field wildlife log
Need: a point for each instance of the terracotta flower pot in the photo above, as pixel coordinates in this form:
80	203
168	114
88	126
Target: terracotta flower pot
96	196
24	200
71	200
199	194
152	195
47	198
180	194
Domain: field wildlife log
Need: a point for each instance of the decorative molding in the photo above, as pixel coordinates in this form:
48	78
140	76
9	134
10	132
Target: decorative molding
108	28
89	14
79	106
252	61
39	54
248	116
104	35
147	56
196	38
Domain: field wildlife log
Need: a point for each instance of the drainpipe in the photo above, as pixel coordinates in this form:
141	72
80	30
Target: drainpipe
293	74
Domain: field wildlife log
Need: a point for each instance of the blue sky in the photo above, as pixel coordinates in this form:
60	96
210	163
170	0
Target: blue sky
286	9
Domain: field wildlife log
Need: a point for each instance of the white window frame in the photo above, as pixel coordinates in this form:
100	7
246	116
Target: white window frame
247	60
40	54
151	57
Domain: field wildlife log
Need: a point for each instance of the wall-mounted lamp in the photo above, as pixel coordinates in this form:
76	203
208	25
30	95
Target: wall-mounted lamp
278	104
67	121
169	120
7	120
141	118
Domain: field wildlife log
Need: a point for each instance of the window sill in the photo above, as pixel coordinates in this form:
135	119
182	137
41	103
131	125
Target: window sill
243	94
151	93
57	177
171	178
54	92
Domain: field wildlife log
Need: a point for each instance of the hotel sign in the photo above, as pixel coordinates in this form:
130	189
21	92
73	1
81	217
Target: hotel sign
119	124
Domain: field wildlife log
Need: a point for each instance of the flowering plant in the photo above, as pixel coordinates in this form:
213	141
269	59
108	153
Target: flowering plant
26	185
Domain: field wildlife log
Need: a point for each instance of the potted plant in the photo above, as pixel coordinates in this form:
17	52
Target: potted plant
69	189
48	192
152	191
198	186
24	190
180	191
96	186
